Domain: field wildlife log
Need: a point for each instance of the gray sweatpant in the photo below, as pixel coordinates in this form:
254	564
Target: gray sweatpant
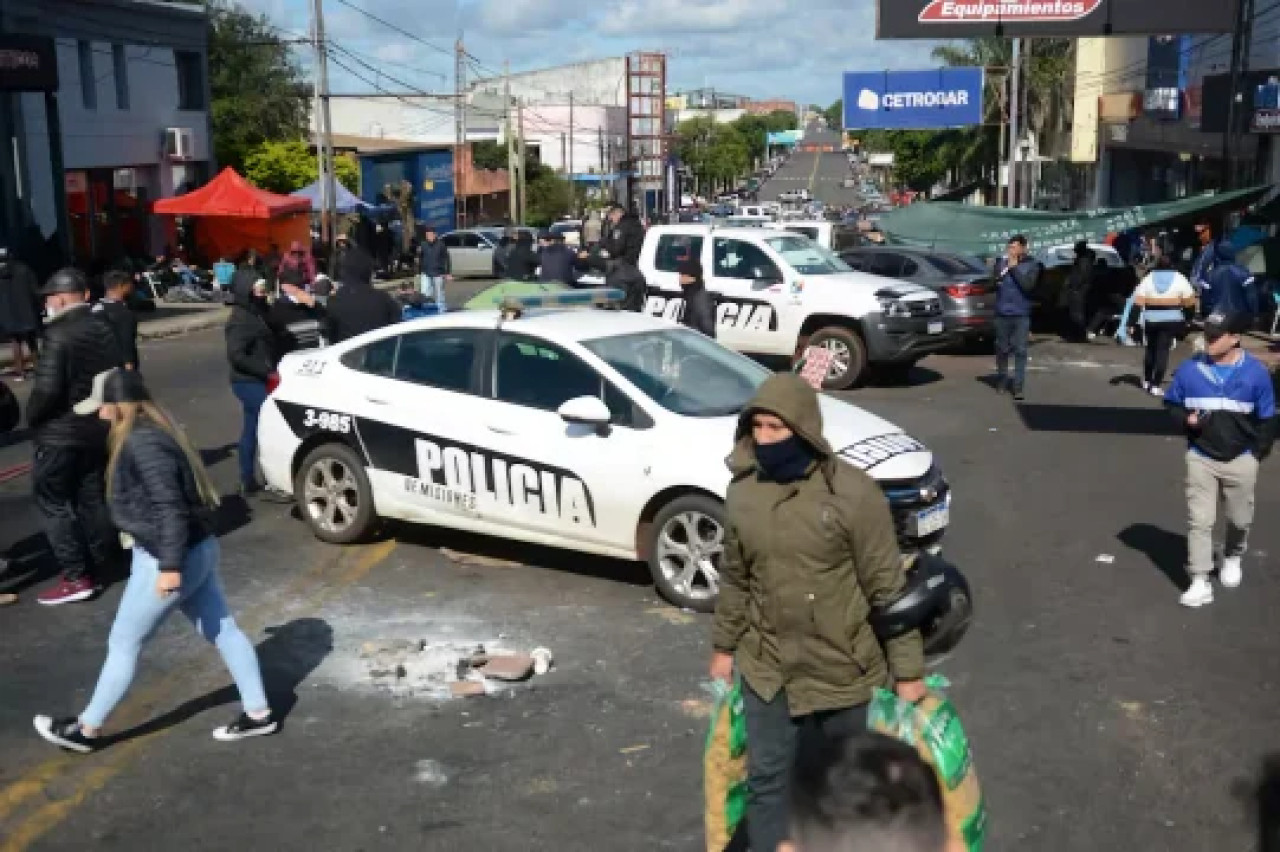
1209	481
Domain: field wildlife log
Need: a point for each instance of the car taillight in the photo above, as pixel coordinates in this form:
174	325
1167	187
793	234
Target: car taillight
962	291
273	382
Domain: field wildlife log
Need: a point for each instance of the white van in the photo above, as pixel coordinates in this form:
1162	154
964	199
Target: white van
834	236
779	293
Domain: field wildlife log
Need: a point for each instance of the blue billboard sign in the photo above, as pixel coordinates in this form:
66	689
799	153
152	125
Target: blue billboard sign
789	138
430	172
913	100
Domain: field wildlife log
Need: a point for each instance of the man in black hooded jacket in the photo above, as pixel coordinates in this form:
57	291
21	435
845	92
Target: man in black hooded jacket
699	305
71	449
252	355
358	306
623	239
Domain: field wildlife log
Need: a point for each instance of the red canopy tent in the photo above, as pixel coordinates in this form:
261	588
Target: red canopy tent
240	216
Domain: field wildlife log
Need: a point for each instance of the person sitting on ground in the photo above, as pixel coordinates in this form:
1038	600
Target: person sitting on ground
161	496
864	793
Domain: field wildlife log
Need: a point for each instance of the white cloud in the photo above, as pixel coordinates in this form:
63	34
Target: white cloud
796	49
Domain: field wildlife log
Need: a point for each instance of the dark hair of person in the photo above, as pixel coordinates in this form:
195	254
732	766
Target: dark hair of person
116	279
1020	239
865	793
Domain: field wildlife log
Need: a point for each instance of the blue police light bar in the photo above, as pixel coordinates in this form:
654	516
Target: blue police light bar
595	297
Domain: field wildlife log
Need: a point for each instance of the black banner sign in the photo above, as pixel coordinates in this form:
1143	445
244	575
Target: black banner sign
28	64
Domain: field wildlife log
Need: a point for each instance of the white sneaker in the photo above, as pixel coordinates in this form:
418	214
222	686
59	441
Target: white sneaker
1155	390
1232	572
1199	594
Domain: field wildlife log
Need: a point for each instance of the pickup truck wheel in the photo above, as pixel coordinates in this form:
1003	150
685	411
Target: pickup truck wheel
849	366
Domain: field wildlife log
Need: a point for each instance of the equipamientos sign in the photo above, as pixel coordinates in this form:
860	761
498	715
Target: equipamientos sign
904	100
1065	18
951	11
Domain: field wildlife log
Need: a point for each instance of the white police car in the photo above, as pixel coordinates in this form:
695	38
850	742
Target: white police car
599	431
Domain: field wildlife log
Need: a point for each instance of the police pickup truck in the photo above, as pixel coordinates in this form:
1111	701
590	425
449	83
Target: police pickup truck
779	293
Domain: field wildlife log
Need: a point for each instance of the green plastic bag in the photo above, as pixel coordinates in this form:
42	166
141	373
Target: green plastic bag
933	728
724	765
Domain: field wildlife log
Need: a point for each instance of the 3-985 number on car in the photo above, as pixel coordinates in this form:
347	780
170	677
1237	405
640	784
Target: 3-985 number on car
327	420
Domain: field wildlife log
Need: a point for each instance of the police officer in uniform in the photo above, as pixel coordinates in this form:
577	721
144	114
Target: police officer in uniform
70	449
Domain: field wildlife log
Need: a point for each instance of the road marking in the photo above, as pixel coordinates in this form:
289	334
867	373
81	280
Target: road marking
14	472
817	158
115	760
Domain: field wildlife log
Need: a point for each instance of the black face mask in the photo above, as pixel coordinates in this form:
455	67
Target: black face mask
784	461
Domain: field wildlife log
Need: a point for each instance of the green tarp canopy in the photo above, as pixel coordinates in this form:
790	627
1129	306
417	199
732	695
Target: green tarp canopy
984	231
491	298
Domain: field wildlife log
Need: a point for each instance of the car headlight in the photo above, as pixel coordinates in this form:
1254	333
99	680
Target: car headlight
894	308
932	484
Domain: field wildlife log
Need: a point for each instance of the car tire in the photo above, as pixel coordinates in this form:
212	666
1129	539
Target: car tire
334	496
848	346
692	519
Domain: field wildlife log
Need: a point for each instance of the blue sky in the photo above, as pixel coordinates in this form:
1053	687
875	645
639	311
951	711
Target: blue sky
794	49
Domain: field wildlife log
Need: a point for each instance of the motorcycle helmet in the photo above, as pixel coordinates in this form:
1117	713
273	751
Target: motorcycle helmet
936	601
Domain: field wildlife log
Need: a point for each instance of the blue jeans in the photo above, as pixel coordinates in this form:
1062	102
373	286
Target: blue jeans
1011	339
252	395
433	288
141	613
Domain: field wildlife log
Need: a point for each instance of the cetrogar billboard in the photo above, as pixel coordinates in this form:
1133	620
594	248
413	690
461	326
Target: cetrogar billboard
970	18
905	100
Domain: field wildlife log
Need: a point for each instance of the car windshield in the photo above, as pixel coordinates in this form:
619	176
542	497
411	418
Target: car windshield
807	257
682	370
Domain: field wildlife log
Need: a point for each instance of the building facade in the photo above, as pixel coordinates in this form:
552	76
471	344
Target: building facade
1150	115
132	126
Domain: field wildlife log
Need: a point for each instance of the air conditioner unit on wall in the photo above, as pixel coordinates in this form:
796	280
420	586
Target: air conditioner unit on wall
179	143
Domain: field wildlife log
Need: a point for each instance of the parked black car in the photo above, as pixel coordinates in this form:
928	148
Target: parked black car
963	283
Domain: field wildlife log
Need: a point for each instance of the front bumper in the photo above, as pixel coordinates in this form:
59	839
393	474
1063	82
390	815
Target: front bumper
921	509
896	339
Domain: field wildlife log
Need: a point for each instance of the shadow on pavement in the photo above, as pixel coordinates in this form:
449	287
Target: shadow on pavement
1166	550
15	437
288	656
1131	379
914	376
215	455
1101	420
572	562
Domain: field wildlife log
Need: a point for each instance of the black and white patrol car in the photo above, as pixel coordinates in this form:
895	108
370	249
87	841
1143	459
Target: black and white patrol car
598	431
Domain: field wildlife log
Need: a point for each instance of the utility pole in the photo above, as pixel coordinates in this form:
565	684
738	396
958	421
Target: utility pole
513	214
1241	44
523	154
324	146
570	134
1015	102
460	127
564	156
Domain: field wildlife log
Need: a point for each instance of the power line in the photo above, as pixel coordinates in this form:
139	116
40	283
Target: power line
398	29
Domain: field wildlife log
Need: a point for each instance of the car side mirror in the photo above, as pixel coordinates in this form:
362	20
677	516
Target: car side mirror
586	411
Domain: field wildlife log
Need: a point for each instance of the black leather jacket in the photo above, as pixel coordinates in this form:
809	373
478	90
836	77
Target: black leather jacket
78	344
155	499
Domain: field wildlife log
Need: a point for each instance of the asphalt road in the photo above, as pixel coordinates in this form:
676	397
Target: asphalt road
822	173
1102	714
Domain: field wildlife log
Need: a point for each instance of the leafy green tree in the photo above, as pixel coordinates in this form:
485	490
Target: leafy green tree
716	154
286	166
550	197
487	154
258	91
834	114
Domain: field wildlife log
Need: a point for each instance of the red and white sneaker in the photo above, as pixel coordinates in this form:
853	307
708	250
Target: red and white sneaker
68	592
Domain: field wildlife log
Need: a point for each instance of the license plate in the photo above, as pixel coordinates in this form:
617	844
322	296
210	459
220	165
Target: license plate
930	520
935	328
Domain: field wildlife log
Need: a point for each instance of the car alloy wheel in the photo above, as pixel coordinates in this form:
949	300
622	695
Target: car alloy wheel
331	497
689	548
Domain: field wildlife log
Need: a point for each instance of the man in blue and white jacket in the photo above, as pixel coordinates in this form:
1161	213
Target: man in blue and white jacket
1224	399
